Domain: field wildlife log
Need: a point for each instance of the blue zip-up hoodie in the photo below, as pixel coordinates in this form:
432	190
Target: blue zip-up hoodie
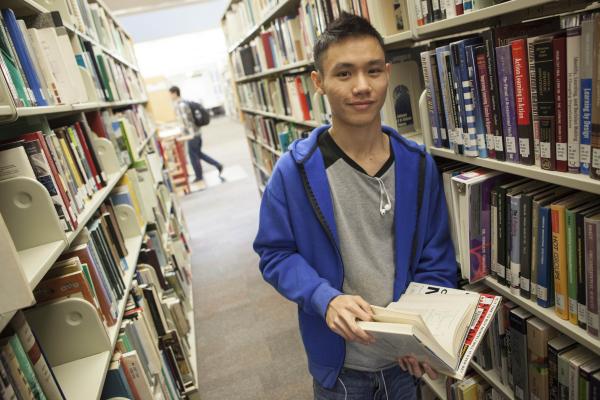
298	242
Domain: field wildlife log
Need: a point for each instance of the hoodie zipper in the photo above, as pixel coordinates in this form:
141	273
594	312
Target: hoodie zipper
321	217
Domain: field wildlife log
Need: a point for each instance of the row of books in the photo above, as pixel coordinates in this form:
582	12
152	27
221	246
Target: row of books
521	93
62	157
243	16
284	42
537	238
535	361
93	20
438	10
277	135
291	95
44	65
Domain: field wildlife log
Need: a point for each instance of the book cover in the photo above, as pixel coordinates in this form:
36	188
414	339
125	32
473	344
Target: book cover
485	97
559	50
595	134
12	367
518	343
25	366
454	138
506	89
585	91
429	91
557	346
538	335
115	383
522	105
544	72
489	41
476	100
573	63
592	268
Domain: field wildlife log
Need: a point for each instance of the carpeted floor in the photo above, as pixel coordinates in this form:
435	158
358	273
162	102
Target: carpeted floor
248	344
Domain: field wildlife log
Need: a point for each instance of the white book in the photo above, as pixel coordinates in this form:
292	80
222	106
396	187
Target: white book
44	84
66	51
134	370
45	69
51	48
432	323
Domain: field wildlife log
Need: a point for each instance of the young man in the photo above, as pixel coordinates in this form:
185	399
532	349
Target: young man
351	215
184	111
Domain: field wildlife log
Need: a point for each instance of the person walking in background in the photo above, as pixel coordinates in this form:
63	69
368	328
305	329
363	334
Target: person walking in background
185	111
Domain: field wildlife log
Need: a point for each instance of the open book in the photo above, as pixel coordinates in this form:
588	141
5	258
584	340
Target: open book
439	325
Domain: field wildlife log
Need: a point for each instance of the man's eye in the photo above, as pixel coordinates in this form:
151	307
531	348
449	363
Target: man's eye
375	71
343	74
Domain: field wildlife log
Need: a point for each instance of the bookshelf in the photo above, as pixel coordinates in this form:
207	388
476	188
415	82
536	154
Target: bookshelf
40	236
418	38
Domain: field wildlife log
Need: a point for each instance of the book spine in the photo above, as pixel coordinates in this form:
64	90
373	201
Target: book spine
553	373
478	124
595	134
438	105
573	62
581	272
525	245
544	73
26	367
419	12
465	100
485	98
585	92
506	87
522	106
534	251
6	388
494	233
592	263
502	235
459	7
453	82
515	243
489	43
535	122
435	132
485	226
445	97
518	345
559	49
559	262
571	265
12	367
545	287
475	268
40	366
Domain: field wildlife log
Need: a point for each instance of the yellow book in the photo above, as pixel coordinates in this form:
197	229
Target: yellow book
559	249
74	170
128	184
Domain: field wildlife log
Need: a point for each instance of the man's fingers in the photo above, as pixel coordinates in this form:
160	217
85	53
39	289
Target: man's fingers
416	368
360	313
366	307
430	371
402	364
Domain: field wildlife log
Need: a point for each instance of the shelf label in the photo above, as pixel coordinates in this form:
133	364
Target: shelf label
524	147
511	145
584	153
545	150
561	151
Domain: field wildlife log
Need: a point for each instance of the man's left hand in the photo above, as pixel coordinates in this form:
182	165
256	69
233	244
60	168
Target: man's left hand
416	368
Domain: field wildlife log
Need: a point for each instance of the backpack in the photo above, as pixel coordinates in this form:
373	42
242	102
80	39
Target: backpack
199	113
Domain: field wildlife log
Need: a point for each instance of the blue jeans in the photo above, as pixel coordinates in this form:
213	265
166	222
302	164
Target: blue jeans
196	154
388	384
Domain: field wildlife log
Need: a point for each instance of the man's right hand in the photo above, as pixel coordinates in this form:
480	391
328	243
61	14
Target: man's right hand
342	313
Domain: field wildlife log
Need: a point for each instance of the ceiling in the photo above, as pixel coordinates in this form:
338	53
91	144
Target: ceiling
128	7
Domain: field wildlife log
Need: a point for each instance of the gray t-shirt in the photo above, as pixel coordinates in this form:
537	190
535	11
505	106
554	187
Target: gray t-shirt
366	237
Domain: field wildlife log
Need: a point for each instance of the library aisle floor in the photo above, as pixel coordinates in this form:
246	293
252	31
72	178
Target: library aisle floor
248	344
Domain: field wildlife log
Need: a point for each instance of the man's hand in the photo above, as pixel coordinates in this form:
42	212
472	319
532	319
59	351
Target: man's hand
342	313
415	368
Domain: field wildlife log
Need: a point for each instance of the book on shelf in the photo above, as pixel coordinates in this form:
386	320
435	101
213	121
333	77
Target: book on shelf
440	325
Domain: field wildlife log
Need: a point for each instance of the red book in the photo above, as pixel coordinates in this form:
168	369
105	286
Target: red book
522	101
29	137
460	9
486	98
90	159
94	119
559	50
364	9
266	42
302	98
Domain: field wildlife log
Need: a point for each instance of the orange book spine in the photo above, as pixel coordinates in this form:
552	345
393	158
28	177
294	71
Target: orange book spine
559	261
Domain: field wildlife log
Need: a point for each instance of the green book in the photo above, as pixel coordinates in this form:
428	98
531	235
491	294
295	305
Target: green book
88	278
26	367
13	71
104	76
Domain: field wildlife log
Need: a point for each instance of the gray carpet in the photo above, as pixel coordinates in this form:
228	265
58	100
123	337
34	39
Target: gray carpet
248	344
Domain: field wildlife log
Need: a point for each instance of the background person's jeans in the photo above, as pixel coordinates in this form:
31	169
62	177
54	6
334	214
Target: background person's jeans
196	154
389	384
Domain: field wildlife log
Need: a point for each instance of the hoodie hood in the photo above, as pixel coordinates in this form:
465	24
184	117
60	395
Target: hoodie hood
302	149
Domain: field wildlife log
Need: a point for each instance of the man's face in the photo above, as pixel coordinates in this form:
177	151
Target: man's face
173	96
355	79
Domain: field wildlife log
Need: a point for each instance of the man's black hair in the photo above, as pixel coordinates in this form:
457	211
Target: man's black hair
346	26
175	89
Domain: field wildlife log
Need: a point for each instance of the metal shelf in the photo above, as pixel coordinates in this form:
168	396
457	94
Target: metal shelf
547	315
494	380
575	181
66	108
398	38
273	71
266	146
286	118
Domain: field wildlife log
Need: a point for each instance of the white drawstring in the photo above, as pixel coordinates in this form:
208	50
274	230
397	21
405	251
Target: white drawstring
384	386
345	390
383	208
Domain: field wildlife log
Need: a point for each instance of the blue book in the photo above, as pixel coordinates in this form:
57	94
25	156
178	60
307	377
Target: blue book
515	242
18	41
464	94
115	384
507	101
480	131
545	272
586	72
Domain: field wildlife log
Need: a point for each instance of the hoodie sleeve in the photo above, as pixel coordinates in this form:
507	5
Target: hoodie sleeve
280	263
437	262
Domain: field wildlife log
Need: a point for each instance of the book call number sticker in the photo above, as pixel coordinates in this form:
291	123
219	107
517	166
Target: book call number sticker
584	153
596	158
545	150
524	147
498	145
511	145
573	155
561	151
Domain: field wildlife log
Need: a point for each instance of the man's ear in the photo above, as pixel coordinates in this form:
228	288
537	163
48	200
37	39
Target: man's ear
388	68
317	81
